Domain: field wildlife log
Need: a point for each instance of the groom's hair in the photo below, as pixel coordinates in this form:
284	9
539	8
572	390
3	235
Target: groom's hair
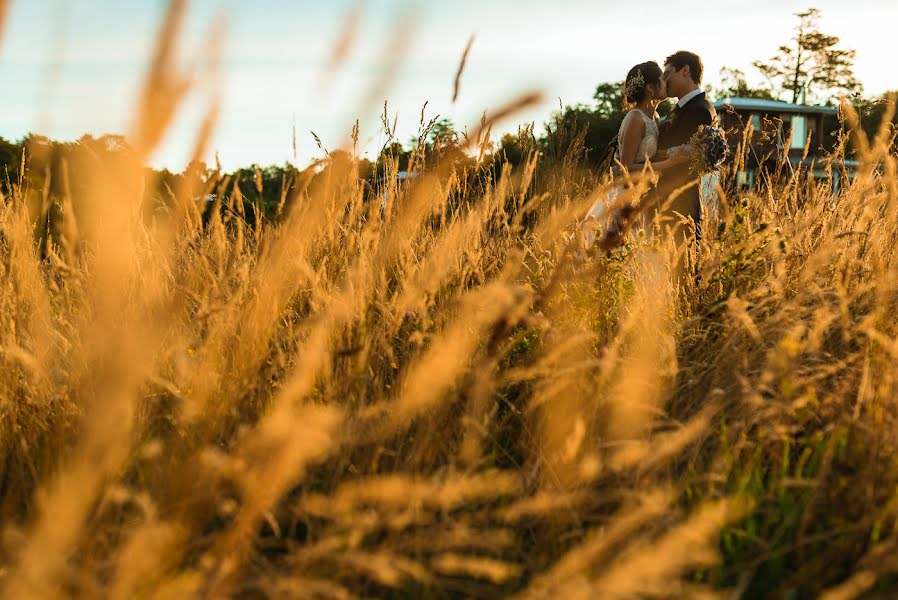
687	59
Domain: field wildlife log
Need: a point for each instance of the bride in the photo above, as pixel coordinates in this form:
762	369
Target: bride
637	144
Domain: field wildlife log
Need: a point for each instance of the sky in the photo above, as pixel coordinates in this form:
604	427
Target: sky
71	67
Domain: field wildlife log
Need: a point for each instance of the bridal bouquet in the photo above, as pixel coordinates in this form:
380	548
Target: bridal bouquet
709	149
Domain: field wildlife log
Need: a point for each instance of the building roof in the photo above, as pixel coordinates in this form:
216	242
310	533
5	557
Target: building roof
822	161
771	106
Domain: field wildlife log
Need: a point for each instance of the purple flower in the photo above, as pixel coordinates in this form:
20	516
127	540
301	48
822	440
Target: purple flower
709	149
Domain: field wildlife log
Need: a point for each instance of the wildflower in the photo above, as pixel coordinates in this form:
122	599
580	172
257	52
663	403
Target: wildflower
708	149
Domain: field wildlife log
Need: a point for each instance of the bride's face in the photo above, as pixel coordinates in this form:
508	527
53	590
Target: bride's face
658	91
662	91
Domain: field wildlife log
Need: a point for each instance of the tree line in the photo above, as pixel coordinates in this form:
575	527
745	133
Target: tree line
809	67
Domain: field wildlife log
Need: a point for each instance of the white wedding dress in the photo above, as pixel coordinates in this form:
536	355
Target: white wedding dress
648	148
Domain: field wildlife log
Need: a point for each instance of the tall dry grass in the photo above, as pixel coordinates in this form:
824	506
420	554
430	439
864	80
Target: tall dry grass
445	397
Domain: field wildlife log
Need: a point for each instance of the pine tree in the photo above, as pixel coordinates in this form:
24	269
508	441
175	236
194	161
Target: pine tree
811	62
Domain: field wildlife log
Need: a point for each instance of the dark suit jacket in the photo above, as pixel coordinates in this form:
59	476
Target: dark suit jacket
682	123
676	130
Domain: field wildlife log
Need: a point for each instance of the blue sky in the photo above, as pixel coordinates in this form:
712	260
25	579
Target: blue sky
75	66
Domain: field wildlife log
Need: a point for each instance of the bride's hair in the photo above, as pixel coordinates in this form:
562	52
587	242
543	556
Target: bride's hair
640	77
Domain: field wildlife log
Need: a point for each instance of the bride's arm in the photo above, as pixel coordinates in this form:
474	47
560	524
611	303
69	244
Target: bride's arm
631	135
676	156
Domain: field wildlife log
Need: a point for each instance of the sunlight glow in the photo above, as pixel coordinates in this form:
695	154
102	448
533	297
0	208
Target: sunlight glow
275	52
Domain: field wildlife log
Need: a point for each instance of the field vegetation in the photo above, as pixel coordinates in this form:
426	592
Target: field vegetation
434	387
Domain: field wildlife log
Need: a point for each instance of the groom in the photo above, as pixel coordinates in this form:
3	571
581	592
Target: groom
683	75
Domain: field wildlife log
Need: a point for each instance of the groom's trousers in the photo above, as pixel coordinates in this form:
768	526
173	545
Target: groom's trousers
679	206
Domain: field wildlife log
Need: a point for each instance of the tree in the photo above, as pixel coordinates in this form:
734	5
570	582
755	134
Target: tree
733	84
442	134
392	152
10	160
515	148
609	99
811	62
872	113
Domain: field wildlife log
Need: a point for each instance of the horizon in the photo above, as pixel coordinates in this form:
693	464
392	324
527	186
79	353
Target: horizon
86	71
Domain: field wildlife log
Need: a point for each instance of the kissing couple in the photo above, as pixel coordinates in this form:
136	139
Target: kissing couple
644	137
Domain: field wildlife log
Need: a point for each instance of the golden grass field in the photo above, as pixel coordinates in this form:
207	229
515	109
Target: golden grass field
448	398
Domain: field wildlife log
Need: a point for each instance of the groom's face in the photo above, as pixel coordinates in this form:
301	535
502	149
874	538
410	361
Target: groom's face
675	80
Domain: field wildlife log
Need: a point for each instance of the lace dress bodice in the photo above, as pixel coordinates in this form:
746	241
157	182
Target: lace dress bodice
648	147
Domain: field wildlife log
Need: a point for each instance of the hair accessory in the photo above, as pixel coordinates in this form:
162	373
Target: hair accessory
634	85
